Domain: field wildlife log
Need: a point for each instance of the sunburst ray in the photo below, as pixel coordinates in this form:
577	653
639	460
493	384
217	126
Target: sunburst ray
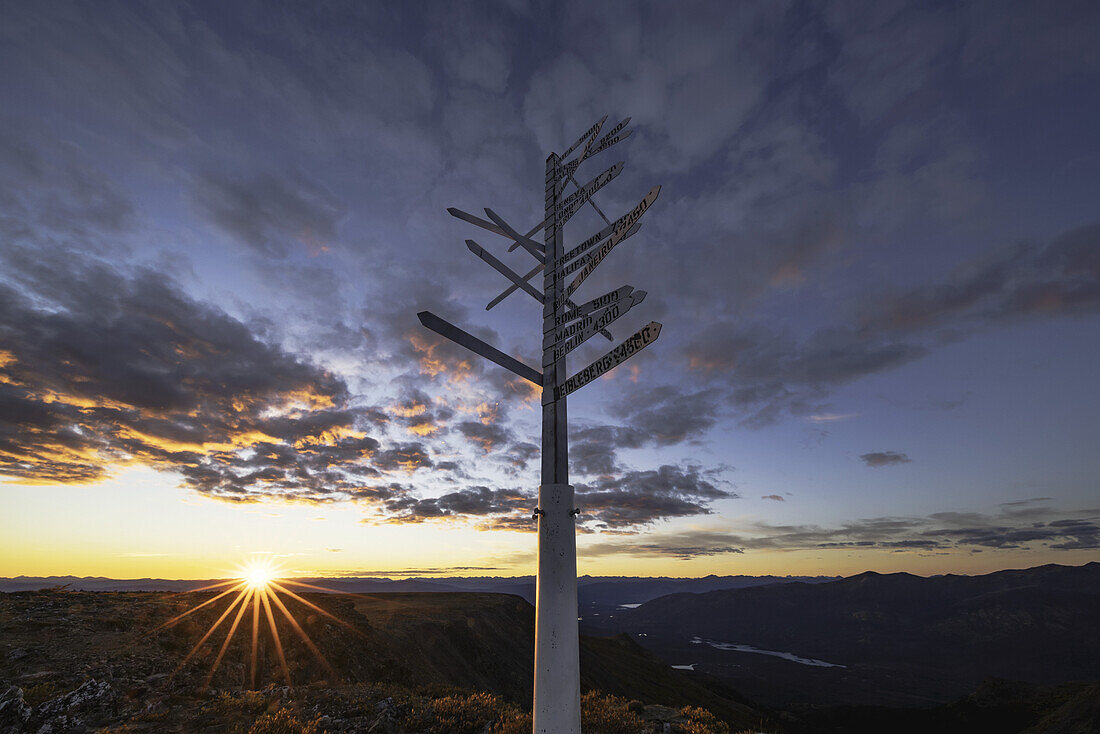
275	635
228	639
210	631
197	607
255	636
301	632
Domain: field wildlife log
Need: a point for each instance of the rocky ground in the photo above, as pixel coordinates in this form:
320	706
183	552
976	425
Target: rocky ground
96	661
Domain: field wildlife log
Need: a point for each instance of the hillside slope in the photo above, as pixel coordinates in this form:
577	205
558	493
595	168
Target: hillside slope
52	642
938	636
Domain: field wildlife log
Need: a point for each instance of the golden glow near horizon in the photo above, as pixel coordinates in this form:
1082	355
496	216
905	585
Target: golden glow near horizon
139	524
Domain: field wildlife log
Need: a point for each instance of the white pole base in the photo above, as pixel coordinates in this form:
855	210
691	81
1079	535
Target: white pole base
557	705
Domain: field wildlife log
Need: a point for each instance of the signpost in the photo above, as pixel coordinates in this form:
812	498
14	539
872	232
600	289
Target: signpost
565	327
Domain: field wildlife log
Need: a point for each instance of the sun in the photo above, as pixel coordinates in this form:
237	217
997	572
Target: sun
258	585
258	577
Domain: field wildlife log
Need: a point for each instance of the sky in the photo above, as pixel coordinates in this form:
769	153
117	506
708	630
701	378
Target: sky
875	256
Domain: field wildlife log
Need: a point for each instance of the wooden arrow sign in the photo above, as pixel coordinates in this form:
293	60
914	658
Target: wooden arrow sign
631	346
594	305
535	248
589	134
504	270
571	254
475	345
573	202
619	234
604	143
577	333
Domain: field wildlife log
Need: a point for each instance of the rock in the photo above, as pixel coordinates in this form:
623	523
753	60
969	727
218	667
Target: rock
16	654
63	725
662	714
90	693
13	709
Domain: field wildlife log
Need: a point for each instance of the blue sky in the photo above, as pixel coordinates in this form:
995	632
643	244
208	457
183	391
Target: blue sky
876	257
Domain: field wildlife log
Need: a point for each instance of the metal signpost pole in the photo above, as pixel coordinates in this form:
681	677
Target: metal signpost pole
557	703
565	326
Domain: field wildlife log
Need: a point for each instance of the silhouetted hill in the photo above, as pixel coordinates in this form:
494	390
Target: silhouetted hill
922	638
602	591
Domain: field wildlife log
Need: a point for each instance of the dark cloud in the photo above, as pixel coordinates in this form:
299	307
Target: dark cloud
1053	529
478	501
485	435
769	372
683	546
50	184
877	459
268	214
593	450
100	368
1061	279
668	415
633	498
626	503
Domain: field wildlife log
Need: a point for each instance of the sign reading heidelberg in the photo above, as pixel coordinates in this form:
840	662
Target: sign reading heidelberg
609	361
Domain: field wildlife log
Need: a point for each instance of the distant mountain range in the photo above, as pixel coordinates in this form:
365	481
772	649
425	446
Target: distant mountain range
895	638
608	591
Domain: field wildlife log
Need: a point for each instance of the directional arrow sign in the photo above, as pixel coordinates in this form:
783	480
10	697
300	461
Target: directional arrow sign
591	132
535	248
619	234
594	305
604	143
584	246
475	345
580	331
610	134
504	270
573	202
631	346
570	168
513	288
476	220
606	315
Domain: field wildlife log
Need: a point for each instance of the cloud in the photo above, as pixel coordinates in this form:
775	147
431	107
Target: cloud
102	368
682	547
941	532
628	502
669	415
272	216
773	497
477	501
877	459
1020	282
636	498
769	372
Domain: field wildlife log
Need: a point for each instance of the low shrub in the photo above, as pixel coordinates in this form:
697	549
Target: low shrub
284	721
